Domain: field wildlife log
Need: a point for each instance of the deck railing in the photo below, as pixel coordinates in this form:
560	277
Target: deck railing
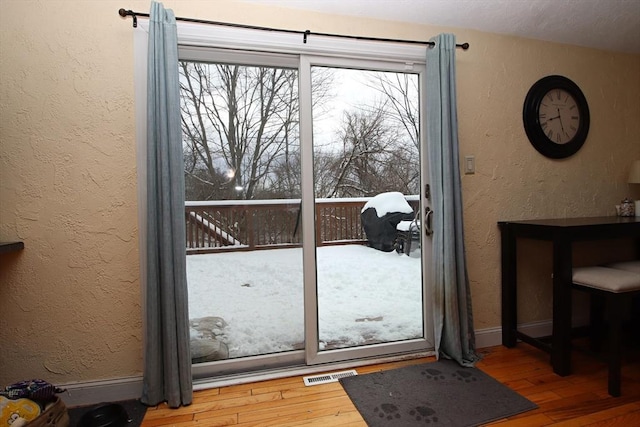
237	225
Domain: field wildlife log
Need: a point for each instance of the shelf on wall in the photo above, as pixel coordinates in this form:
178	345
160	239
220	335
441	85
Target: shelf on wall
6	247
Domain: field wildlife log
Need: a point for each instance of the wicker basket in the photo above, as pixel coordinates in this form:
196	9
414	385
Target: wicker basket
54	416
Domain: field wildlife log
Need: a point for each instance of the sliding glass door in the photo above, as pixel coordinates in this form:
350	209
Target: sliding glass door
303	178
368	298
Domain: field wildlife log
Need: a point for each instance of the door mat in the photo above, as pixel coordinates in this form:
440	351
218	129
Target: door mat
135	410
439	393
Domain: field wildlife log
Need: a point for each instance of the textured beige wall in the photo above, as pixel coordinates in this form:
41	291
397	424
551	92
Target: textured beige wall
70	303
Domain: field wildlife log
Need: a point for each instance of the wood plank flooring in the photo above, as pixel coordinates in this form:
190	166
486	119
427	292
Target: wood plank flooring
580	399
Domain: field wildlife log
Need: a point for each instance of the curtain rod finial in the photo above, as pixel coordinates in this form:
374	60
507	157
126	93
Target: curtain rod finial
464	46
124	13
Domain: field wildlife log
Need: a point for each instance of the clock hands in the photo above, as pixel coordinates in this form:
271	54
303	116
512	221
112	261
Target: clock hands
561	127
556	117
559	118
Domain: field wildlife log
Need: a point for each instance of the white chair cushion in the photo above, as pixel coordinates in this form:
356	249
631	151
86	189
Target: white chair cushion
607	279
627	265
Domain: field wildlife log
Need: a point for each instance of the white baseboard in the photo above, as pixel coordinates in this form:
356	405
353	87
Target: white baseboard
92	392
490	337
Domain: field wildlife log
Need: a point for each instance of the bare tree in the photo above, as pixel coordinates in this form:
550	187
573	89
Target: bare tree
237	121
241	129
401	94
366	156
241	135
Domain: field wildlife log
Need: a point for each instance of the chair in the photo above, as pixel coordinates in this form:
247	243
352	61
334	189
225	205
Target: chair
633	266
635	304
408	232
613	286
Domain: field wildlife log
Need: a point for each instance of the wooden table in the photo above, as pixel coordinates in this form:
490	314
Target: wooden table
562	233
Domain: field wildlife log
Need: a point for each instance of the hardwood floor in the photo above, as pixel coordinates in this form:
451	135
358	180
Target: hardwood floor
580	399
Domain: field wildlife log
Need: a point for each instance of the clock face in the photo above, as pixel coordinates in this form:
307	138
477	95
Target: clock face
556	117
559	116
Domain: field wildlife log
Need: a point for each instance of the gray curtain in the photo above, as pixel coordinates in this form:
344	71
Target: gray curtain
167	369
453	320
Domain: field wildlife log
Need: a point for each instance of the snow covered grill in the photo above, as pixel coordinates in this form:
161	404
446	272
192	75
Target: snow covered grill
331	377
380	217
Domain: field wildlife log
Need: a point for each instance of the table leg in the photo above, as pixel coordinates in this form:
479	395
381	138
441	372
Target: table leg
509	295
562	279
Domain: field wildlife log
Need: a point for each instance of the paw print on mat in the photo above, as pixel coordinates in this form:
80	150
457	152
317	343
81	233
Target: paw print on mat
387	410
465	376
424	413
432	374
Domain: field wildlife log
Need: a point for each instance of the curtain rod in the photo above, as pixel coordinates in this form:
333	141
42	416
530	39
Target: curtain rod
305	34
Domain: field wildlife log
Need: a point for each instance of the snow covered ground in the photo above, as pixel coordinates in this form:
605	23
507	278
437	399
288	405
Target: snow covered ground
364	296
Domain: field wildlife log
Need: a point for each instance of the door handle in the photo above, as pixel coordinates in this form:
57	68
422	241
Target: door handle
428	229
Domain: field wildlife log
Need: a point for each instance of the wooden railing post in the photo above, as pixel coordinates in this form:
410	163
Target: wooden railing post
319	222
249	218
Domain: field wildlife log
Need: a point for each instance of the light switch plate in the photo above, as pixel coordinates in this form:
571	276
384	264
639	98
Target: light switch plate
469	165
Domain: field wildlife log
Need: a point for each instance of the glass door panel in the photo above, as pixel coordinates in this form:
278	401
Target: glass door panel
367	180
242	185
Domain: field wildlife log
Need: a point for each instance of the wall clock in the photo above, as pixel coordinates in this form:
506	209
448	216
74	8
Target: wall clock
556	117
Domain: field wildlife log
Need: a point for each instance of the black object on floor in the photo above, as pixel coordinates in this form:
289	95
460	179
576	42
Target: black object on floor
441	393
113	414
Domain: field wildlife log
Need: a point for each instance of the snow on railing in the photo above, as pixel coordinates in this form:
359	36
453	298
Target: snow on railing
214	229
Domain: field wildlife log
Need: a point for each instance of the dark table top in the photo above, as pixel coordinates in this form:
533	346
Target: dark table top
10	246
577	222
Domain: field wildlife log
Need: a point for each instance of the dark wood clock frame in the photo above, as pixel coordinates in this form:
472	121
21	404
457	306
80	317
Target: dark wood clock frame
534	128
